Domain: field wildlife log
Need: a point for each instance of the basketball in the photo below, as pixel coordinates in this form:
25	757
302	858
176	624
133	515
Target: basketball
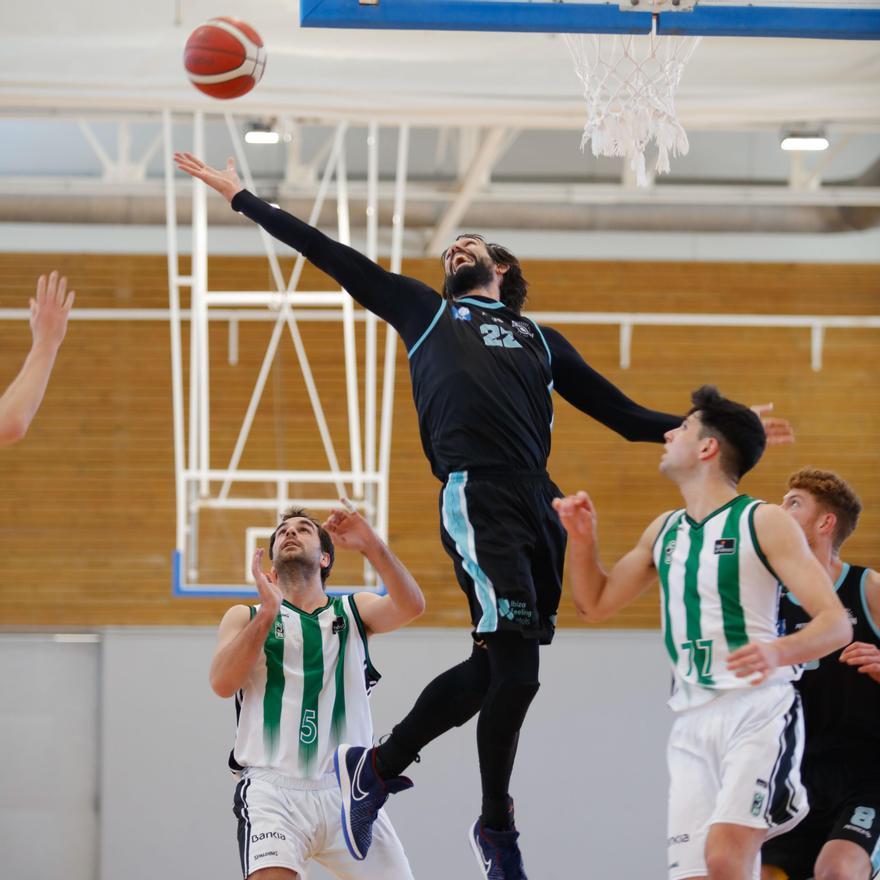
224	58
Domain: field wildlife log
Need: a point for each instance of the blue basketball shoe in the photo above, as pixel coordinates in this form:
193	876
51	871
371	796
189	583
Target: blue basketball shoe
363	794
497	853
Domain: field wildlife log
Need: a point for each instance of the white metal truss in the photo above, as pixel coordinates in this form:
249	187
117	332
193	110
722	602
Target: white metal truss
200	483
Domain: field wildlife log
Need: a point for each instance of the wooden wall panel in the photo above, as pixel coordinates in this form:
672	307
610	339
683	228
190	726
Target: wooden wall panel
87	530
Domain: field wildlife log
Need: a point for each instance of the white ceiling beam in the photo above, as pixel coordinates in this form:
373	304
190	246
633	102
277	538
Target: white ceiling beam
496	193
473	181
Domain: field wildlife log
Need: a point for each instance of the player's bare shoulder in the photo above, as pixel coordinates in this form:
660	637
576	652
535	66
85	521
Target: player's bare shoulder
235	618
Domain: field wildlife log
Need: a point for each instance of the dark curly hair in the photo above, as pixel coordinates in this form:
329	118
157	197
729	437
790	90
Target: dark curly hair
737	429
514	287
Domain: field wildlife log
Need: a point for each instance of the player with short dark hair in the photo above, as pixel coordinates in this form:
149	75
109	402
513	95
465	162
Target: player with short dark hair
298	664
323	535
482	378
734	750
840	838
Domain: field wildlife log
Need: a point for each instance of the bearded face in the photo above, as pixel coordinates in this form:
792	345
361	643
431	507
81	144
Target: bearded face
479	272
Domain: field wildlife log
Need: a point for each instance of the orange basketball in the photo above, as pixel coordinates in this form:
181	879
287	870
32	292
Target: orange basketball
224	58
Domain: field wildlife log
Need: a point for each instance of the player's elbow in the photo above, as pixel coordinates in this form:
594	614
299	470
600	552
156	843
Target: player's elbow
415	606
221	685
12	429
589	613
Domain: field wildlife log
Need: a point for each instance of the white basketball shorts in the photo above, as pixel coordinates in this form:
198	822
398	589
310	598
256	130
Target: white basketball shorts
287	823
734	760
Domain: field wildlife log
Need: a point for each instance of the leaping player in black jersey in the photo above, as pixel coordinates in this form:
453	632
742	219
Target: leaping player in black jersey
482	377
840	838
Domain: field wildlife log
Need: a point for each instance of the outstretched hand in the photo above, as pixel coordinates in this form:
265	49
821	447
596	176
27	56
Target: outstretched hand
270	592
778	431
226	182
50	309
349	529
577	515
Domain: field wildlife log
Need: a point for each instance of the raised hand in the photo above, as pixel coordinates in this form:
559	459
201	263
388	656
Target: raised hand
226	182
756	659
50	309
349	529
270	593
864	656
778	431
577	515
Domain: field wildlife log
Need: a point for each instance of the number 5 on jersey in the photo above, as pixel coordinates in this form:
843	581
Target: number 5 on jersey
308	730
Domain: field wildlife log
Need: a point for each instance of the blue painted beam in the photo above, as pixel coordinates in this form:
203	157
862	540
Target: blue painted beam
473	15
549	17
773	21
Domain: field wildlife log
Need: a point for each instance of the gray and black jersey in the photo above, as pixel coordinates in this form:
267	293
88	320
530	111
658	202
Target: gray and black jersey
307	693
841	705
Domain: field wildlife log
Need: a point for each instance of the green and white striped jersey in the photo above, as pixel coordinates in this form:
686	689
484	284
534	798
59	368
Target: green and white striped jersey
307	693
717	593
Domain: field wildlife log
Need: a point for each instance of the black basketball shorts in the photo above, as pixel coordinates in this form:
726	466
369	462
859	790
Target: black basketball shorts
844	794
508	548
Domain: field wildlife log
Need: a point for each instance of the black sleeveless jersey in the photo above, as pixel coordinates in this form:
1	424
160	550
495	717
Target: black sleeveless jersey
841	704
482	379
482	374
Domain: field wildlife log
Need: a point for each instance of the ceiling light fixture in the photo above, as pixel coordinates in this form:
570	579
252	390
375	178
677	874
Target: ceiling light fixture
812	141
261	133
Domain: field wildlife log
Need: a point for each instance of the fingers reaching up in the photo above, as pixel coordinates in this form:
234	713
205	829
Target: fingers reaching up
224	181
50	309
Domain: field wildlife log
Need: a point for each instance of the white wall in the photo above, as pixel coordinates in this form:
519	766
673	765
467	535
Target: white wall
49	708
590	780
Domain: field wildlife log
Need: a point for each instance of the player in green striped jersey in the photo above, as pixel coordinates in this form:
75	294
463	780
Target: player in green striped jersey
735	746
299	667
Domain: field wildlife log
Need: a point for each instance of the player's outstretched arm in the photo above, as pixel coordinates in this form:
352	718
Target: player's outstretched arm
408	305
599	595
241	638
404	600
791	560
50	309
594	395
865	656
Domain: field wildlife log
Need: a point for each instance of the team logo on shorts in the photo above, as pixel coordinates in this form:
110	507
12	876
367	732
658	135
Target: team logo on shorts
725	546
515	610
757	803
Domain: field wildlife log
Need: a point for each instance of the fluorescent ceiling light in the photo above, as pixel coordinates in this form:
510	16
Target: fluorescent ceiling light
812	142
262	136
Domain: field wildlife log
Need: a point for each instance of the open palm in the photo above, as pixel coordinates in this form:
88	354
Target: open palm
225	181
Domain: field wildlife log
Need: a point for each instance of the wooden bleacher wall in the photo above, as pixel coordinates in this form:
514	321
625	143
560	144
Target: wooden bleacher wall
87	498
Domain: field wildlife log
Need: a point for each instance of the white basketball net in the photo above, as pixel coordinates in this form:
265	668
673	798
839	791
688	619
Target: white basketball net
629	83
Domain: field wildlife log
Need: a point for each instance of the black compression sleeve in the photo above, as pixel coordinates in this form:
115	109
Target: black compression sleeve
593	394
405	303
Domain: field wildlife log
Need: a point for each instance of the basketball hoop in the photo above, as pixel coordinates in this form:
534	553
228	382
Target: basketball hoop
629	83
